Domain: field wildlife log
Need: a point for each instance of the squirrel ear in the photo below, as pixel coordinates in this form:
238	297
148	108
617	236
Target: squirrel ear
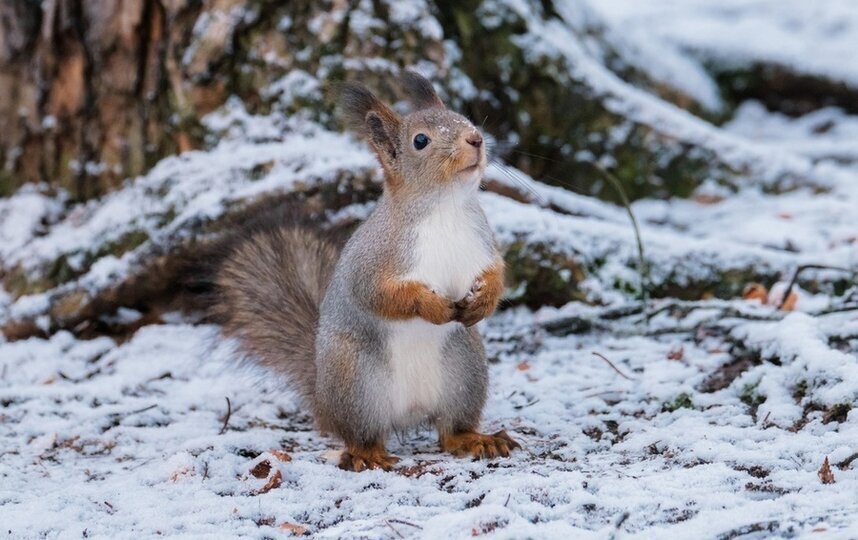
382	135
356	101
420	90
367	116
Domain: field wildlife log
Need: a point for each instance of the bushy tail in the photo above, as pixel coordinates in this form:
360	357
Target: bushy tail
268	292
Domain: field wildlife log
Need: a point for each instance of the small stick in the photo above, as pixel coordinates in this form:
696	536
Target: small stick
403	522
392	528
226	418
801	269
623	375
144	409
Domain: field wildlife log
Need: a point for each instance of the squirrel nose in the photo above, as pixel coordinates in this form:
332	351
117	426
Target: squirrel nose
475	140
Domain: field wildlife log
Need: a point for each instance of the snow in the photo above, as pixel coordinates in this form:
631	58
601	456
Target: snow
130	436
816	38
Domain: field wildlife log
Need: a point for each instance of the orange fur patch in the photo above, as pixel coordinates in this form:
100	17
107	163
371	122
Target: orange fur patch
478	445
399	300
358	459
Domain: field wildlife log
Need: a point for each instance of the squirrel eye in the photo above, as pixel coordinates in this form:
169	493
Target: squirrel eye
420	141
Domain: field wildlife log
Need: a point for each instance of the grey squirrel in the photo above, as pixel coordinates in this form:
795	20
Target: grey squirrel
380	336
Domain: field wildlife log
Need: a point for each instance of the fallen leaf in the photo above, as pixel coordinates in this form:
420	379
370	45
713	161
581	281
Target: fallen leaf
707	198
677	354
267	521
297	530
261	469
281	455
273	482
180	473
825	474
756	291
523	366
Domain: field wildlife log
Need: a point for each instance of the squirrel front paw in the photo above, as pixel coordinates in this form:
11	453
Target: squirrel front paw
435	308
478	304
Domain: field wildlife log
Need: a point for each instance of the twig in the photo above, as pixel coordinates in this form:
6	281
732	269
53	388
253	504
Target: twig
621	374
642	268
804	267
843	465
144	409
835	309
226	418
745	530
392	528
403	522
618	186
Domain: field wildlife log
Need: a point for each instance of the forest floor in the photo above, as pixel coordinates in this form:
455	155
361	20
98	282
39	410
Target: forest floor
682	438
708	419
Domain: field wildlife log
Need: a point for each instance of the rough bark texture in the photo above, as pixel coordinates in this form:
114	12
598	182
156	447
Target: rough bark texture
93	92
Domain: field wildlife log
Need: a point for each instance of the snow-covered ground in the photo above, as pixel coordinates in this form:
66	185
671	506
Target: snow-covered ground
704	420
110	439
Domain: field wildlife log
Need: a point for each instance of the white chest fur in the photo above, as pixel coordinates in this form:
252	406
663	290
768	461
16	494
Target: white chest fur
449	250
449	253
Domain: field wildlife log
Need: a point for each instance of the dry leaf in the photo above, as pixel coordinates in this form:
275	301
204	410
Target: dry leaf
707	198
180	473
281	455
297	530
273	482
266	469
523	366
825	474
677	353
756	291
261	469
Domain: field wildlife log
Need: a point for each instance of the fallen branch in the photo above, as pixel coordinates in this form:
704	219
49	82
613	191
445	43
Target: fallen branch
392	528
226	418
804	267
621	374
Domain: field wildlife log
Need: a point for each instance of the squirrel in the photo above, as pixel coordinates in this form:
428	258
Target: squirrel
379	336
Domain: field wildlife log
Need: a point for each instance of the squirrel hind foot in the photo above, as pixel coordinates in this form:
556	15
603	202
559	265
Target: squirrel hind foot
359	459
479	445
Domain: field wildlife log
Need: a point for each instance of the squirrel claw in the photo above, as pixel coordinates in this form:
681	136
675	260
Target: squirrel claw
475	306
360	459
479	445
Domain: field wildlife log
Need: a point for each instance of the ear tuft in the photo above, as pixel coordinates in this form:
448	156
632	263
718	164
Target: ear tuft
355	102
420	90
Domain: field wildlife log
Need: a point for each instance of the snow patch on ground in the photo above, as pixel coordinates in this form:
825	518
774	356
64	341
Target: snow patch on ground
104	437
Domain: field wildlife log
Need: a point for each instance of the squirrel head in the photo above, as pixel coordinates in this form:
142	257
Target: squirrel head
430	148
